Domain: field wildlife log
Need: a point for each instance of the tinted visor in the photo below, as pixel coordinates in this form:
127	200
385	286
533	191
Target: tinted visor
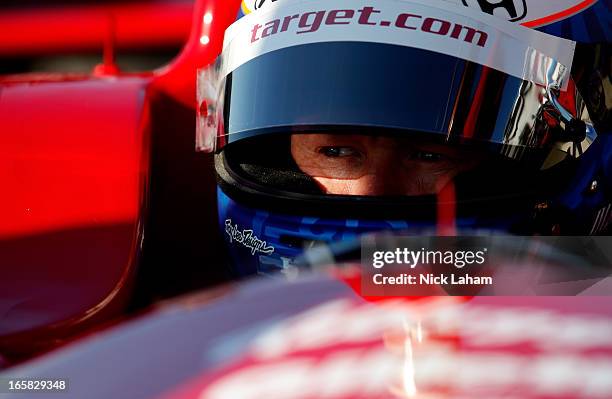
338	85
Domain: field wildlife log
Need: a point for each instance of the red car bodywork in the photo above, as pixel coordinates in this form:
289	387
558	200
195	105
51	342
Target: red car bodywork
51	30
76	170
314	338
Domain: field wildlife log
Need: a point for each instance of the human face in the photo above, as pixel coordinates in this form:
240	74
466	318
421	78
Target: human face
356	164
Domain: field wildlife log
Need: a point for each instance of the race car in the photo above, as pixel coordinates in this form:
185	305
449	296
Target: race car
316	337
107	206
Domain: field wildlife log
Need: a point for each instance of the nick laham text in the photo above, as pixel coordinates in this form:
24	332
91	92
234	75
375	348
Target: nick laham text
431	279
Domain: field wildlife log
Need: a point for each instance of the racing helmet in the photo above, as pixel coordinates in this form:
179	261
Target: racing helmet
332	119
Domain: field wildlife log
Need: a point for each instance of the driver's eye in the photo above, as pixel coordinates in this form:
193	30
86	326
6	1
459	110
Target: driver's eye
337	152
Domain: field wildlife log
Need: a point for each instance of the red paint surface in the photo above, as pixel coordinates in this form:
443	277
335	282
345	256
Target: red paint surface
74	167
68	29
447	211
70	155
73	171
178	79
